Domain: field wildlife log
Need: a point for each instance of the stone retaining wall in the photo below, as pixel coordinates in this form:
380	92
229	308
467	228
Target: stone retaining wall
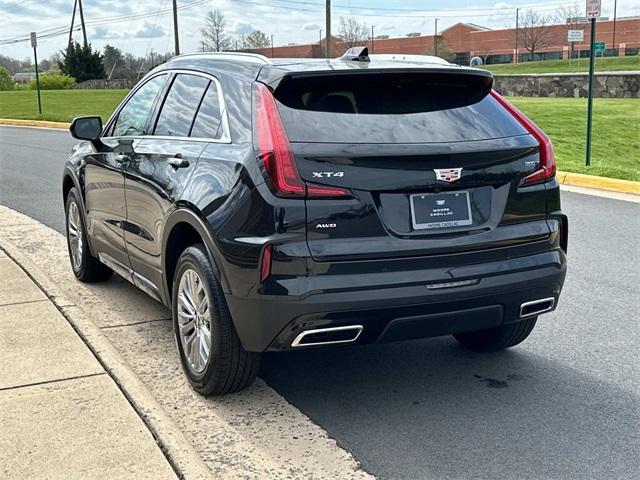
605	85
106	84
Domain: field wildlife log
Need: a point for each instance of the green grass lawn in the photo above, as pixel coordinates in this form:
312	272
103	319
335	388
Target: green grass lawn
616	138
605	64
615	150
59	105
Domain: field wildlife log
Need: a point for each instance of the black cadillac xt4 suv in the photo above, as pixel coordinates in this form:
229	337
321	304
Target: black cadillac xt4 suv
286	204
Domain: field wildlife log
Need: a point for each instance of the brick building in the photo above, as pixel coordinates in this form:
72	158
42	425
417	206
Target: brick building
494	46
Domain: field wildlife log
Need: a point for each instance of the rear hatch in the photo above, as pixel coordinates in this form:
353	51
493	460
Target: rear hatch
430	162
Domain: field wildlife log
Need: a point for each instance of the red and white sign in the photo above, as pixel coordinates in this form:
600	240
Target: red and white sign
34	40
594	8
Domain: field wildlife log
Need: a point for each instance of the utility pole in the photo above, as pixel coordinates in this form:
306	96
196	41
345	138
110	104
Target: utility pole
176	37
615	10
327	26
372	39
320	38
84	29
272	45
435	39
73	18
515	58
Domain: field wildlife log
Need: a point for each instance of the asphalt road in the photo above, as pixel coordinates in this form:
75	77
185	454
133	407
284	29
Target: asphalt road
565	404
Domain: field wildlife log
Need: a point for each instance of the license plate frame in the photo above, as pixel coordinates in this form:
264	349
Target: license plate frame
459	221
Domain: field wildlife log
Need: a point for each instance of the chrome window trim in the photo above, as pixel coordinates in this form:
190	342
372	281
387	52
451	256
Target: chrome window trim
224	138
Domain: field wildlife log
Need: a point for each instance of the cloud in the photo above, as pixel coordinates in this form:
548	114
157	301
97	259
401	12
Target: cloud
150	30
311	26
103	33
242	28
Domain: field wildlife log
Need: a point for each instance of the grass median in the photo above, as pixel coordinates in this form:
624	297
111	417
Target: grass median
603	64
615	149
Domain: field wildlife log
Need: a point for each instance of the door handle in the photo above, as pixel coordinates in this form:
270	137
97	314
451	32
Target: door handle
178	162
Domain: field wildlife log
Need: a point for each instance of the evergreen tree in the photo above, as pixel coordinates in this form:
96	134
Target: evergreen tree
82	63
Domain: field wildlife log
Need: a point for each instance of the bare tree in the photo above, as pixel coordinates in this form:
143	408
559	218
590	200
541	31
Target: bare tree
256	39
571	16
534	32
214	38
353	32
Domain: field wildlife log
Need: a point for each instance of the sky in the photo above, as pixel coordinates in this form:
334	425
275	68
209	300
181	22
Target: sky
290	21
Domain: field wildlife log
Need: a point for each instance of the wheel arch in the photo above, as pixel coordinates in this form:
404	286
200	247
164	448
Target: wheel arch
184	228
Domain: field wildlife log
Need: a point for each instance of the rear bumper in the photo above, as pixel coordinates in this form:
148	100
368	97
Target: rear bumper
399	311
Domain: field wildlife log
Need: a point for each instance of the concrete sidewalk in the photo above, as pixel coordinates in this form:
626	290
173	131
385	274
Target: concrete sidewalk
62	416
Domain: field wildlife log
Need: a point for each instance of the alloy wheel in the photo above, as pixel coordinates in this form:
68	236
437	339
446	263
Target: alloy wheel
194	321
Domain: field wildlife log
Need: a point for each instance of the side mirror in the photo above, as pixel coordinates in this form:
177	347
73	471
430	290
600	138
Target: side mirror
87	128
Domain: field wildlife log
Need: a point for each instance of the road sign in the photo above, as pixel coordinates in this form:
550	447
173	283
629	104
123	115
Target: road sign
34	40
599	46
575	36
594	8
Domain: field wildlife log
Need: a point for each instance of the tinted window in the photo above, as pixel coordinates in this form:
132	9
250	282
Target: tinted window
209	118
392	108
180	106
134	115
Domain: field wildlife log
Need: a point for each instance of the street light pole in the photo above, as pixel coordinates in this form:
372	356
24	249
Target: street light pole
615	10
327	26
435	39
175	27
372	39
515	59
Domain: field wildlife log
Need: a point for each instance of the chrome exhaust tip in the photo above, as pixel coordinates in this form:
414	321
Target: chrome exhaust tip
328	336
536	307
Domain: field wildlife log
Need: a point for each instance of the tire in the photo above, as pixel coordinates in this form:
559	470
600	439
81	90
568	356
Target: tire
228	367
497	338
85	267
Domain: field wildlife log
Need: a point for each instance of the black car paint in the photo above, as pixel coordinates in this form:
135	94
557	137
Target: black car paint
320	278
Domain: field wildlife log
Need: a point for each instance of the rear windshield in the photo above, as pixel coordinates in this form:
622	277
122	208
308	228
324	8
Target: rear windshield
392	108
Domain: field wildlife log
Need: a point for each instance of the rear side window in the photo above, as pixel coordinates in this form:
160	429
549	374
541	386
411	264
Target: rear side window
209	117
181	105
398	107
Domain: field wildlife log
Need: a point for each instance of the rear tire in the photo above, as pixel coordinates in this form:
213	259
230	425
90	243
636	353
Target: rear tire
497	338
85	267
211	354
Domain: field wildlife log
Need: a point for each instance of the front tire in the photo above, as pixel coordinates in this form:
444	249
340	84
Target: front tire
85	267
497	338
210	351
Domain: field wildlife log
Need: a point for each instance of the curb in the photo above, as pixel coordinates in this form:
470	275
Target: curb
34	123
600	183
180	454
565	178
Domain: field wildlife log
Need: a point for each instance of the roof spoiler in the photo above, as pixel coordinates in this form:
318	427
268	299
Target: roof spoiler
356	54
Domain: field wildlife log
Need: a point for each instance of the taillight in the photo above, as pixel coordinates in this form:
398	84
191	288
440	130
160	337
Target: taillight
265	267
274	151
547	168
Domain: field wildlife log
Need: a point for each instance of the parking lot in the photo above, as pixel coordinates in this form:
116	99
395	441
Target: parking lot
565	404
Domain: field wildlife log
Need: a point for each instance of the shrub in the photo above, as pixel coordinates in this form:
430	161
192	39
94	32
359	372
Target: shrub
6	82
53	82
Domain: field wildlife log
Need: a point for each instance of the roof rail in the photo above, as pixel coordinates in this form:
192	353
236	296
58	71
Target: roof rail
239	56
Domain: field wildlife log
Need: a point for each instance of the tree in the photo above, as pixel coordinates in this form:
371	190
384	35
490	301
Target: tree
6	82
571	17
113	62
50	63
214	38
256	39
534	32
82	63
443	50
353	32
